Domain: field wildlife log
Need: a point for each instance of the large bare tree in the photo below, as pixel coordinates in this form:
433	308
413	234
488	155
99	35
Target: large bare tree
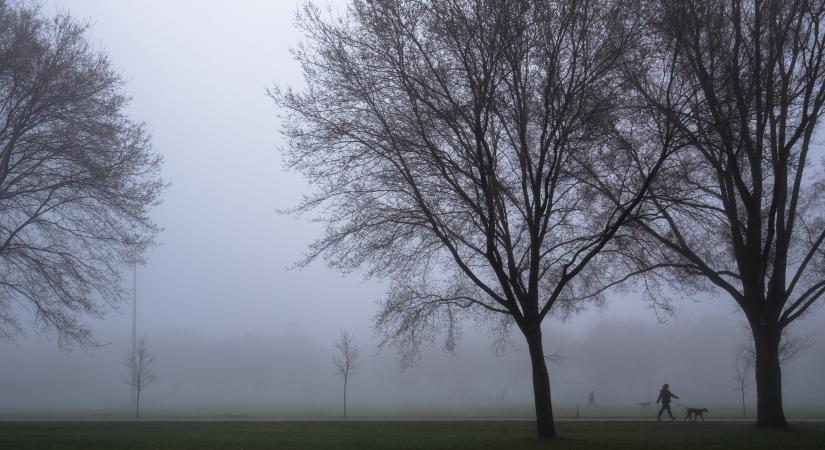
77	176
454	147
347	360
740	207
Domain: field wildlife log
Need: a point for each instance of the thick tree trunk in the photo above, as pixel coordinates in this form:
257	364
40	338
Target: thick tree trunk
769	412
545	426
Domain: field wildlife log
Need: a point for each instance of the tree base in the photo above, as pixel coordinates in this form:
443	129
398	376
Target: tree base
547	436
776	424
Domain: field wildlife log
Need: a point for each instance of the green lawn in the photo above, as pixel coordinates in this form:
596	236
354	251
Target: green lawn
400	435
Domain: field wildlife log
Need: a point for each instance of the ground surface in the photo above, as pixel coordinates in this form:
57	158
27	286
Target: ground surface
401	435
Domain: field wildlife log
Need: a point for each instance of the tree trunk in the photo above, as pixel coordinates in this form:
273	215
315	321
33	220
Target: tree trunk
345	397
137	405
545	426
769	412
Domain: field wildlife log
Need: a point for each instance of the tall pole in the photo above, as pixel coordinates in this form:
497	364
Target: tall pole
134	319
134	308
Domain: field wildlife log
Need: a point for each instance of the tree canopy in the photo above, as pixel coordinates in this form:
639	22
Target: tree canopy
465	150
77	176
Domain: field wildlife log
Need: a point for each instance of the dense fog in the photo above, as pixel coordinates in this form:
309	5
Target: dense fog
290	374
235	333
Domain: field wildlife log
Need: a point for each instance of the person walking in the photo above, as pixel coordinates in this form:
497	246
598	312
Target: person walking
665	396
591	401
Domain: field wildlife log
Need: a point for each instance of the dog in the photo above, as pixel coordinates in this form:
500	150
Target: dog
693	413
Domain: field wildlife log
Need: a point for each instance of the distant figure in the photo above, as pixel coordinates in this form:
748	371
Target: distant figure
591	401
665	396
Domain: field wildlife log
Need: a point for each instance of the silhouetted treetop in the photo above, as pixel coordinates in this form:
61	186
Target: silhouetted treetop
464	149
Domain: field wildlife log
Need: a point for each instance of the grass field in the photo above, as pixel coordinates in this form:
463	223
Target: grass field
400	435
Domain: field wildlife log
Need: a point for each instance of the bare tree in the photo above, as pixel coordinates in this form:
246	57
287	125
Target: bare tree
454	147
738	208
139	373
347	361
744	376
77	176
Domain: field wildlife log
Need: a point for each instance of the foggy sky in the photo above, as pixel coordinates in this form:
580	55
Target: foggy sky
198	71
233	328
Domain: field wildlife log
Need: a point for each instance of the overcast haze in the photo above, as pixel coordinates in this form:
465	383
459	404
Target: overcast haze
235	332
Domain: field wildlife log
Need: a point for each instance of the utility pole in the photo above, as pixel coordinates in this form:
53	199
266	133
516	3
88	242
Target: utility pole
134	307
134	316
